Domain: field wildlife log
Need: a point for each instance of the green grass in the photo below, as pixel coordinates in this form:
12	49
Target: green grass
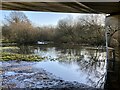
20	57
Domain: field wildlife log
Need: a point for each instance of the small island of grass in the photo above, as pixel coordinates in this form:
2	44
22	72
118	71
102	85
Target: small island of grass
20	57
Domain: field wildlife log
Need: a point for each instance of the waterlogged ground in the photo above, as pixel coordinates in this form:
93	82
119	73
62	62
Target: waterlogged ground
23	75
72	68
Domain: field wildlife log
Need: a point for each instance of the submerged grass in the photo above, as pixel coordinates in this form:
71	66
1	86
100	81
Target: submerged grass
20	57
6	54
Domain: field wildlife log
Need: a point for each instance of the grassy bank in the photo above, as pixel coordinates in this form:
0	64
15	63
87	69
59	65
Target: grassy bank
20	57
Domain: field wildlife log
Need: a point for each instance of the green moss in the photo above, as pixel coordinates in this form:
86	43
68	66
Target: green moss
12	56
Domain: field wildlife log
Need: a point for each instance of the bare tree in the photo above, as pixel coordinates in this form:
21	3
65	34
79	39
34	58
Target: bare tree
17	17
65	31
20	29
90	29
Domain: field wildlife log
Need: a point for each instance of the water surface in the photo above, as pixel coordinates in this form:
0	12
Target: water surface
71	63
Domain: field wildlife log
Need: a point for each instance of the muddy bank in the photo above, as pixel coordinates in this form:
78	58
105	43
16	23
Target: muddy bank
16	75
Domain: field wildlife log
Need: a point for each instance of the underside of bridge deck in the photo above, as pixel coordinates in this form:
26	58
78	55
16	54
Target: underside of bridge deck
66	7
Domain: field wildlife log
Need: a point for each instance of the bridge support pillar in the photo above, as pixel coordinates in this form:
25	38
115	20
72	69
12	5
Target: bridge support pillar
113	40
113	26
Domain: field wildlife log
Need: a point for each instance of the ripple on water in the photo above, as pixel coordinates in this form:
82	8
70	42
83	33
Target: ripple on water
9	73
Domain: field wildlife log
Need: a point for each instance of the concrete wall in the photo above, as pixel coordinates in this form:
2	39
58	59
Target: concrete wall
114	23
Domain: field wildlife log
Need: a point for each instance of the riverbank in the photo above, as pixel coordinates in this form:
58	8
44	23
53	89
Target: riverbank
16	74
19	57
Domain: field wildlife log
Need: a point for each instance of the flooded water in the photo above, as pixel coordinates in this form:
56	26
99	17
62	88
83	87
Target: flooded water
82	64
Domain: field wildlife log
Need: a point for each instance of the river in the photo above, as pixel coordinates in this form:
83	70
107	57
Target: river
82	64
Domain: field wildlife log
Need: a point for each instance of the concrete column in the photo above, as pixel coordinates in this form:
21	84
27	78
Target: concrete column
113	29
113	26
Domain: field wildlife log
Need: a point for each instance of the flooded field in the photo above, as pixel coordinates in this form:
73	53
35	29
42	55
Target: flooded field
62	66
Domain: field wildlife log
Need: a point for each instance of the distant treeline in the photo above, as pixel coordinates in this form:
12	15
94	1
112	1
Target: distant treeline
86	30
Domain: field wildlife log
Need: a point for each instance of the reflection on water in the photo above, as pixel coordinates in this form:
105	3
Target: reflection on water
74	64
81	64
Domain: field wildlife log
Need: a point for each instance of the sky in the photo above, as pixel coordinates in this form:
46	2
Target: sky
42	18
